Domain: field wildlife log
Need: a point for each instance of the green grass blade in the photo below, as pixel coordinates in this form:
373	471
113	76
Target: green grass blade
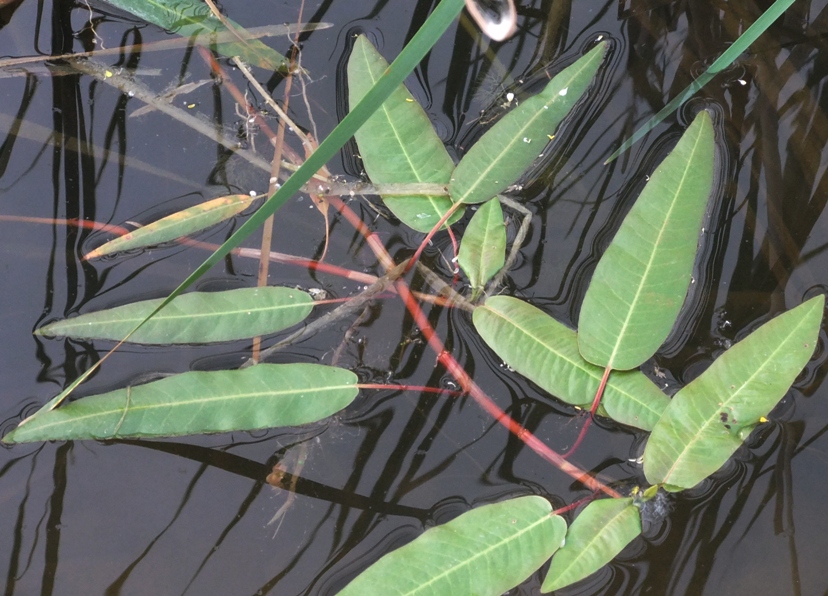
640	283
597	535
483	249
425	38
182	223
721	63
486	551
189	18
511	146
398	143
193	318
263	396
708	419
546	352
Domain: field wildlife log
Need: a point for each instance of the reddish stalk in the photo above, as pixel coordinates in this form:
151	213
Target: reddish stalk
78	223
453	367
252	253
483	400
430	235
596	400
574	505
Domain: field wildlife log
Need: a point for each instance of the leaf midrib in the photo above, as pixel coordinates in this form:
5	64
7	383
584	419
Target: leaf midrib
478	554
586	548
403	146
518	136
712	419
578	364
189	403
633	306
166	316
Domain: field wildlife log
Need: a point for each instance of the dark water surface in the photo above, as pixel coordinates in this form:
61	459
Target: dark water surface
190	515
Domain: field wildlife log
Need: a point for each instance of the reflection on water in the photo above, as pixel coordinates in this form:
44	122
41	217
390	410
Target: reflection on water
190	516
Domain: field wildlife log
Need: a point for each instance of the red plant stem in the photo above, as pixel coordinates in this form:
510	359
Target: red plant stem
574	505
455	250
276	257
453	367
596	400
372	239
430	235
78	223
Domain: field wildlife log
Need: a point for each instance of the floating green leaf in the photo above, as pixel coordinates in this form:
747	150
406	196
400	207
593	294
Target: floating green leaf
546	352
177	225
708	419
483	250
511	146
190	18
398	143
197	317
487	550
262	396
597	535
641	281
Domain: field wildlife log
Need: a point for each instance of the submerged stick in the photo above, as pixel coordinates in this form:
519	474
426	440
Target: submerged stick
340	312
133	88
178	42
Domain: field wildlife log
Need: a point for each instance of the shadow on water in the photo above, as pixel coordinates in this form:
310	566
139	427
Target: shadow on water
191	516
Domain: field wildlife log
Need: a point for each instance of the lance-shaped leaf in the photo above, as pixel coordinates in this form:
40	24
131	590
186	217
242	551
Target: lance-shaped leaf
190	18
708	419
487	550
511	146
641	281
262	396
483	250
398	144
546	352
197	317
597	535
183	223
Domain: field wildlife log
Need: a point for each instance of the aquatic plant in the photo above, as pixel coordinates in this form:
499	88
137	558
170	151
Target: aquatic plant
632	304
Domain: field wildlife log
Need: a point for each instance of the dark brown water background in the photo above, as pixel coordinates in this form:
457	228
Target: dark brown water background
190	516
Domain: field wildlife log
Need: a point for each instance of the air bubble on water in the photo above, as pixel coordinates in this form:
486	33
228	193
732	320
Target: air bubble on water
450	385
